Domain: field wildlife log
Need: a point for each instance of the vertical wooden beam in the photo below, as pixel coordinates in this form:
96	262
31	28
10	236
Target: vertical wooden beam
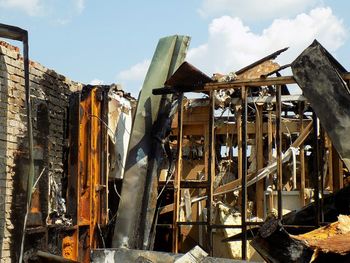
259	160
302	157
211	170
338	172
330	163
178	175
270	149
279	150
239	138
321	160
244	172
316	168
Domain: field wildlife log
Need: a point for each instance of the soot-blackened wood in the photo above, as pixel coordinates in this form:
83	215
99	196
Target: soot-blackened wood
333	205
274	244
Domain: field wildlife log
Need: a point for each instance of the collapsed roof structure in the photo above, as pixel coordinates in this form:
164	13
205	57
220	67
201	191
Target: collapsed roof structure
176	179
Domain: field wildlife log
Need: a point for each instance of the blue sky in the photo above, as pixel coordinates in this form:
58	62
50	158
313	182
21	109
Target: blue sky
113	41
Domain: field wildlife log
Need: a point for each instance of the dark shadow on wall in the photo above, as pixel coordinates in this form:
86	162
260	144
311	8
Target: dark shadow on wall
3	147
48	132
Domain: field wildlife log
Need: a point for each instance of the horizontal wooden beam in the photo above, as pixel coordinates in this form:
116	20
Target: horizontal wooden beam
288	126
270	99
250	82
235	84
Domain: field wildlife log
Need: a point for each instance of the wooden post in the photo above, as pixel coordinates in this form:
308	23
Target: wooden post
338	172
177	176
279	150
302	157
211	170
330	163
259	160
244	172
316	167
270	149
239	138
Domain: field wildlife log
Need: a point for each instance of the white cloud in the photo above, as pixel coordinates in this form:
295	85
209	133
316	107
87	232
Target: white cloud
136	72
30	7
255	9
132	78
80	5
232	45
96	82
60	11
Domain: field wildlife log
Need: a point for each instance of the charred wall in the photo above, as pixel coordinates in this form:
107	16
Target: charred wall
50	97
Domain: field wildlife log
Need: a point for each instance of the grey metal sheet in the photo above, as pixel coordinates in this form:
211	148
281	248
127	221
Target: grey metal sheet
318	74
167	58
122	255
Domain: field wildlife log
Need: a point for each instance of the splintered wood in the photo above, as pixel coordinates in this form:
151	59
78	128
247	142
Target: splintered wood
332	238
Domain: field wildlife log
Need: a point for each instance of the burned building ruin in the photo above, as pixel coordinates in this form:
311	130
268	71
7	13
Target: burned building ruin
235	166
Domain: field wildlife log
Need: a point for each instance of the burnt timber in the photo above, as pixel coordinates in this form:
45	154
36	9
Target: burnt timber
172	176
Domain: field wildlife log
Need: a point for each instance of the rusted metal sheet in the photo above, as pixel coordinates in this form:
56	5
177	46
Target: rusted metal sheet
319	75
138	184
261	61
87	179
259	70
187	76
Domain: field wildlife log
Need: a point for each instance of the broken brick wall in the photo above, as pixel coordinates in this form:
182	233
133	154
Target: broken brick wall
50	97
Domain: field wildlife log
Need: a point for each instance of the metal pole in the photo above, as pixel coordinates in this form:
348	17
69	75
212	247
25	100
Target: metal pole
30	138
244	172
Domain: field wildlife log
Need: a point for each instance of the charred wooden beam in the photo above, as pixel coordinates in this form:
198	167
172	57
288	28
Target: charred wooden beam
333	205
274	244
325	244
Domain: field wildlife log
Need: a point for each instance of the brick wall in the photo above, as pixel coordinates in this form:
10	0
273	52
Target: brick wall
50	96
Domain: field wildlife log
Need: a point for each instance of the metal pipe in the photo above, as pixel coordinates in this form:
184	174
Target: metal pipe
29	118
19	34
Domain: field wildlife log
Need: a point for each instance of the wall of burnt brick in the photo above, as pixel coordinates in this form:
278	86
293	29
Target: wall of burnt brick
50	97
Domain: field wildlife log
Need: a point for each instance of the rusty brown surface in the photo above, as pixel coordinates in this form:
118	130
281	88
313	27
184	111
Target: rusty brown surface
187	76
86	184
331	238
69	247
259	70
